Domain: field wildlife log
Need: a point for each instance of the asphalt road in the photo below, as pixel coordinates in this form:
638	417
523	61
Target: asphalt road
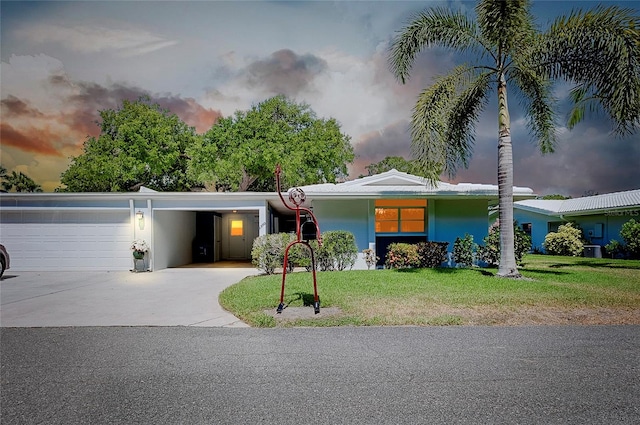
392	375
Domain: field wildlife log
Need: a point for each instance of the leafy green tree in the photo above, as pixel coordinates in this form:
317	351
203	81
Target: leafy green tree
598	51
139	144
18	182
240	153
391	162
555	196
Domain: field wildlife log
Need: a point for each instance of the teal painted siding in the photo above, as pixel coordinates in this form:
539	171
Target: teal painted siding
610	224
349	215
447	219
539	225
454	218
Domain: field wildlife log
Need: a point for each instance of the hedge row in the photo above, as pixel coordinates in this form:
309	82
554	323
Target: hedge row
337	252
422	254
465	251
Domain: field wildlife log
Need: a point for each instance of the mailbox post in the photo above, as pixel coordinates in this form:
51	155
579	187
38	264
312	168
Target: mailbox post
309	230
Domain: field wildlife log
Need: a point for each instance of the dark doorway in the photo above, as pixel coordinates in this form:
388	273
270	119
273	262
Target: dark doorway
202	247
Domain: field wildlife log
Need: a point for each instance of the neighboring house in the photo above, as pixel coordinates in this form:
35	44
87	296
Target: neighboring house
94	231
600	217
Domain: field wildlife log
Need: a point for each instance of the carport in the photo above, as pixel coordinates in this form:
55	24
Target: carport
94	231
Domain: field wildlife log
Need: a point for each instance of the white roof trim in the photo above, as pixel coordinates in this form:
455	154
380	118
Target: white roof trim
585	205
396	183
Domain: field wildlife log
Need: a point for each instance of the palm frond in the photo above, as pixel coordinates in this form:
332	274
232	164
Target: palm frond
506	24
443	121
599	50
539	104
435	27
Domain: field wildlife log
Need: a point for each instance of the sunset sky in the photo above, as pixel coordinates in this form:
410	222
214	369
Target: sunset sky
62	62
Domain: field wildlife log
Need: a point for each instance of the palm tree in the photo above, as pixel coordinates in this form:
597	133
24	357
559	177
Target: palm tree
598	51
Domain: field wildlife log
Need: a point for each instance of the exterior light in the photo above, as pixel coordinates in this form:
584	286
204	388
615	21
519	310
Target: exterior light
140	217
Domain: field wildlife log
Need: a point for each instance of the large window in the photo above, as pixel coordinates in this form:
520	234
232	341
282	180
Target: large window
400	215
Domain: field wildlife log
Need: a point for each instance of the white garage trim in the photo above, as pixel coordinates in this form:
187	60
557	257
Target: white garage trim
70	239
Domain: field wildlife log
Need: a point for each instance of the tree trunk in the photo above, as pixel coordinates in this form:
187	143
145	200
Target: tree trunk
246	181
507	267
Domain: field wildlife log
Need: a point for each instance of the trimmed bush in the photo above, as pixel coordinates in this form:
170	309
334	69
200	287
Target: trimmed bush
338	252
299	256
566	241
490	251
402	256
630	233
339	249
324	260
615	249
267	252
463	250
431	254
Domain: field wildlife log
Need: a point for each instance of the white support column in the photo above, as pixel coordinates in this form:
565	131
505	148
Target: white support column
151	223
262	221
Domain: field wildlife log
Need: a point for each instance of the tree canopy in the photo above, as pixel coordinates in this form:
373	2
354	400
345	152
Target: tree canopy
597	51
18	182
240	152
139	144
393	162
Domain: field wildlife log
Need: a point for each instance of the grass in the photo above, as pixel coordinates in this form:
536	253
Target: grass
555	290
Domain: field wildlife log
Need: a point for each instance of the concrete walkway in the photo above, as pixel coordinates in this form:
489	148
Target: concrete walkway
170	297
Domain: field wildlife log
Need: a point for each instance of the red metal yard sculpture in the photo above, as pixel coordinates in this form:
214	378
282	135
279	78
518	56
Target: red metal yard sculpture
305	232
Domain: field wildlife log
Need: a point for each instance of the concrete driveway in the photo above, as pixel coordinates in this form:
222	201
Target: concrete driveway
169	297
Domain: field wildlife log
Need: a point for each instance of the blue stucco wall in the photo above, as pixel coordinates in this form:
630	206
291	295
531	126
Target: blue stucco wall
454	218
611	223
349	215
447	219
539	225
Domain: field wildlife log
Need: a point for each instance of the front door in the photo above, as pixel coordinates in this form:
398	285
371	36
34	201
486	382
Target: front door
237	228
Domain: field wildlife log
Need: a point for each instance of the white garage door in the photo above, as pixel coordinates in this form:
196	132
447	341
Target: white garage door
67	240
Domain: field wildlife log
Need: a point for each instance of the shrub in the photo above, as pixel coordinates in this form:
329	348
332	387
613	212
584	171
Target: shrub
463	250
324	261
431	254
267	252
566	241
615	249
370	257
338	251
299	256
490	251
630	233
402	256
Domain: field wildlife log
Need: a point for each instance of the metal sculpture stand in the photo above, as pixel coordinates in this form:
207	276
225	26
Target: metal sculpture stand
305	232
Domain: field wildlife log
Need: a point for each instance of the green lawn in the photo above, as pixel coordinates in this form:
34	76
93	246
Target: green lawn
555	290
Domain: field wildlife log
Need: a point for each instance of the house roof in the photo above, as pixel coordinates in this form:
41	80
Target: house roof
585	205
397	183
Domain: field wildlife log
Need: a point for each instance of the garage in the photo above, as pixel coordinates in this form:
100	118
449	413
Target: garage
95	231
61	240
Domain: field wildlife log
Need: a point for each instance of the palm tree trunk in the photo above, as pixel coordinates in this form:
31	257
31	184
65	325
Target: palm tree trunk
507	266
